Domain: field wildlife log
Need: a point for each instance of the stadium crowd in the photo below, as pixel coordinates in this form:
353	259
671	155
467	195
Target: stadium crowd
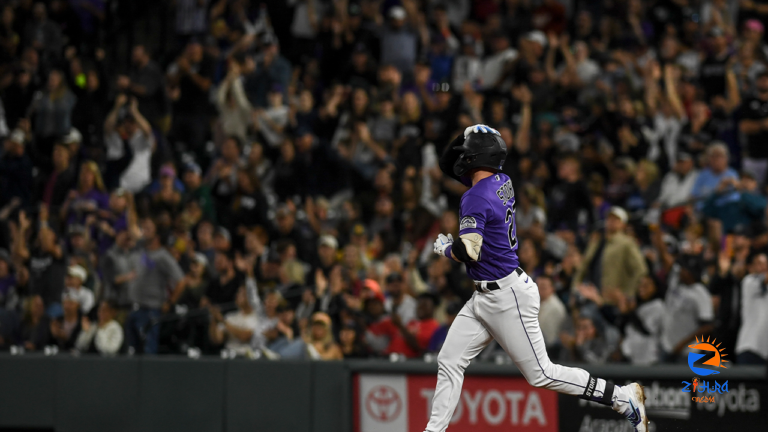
261	179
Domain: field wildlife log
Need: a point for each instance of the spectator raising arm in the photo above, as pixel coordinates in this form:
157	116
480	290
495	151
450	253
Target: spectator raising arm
733	96
233	85
671	75
19	235
220	329
143	124
410	338
523	135
111	121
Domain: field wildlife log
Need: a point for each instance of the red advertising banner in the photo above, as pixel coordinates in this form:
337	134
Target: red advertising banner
403	402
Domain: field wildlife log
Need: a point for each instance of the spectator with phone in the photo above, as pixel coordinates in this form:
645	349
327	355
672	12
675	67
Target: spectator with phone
130	145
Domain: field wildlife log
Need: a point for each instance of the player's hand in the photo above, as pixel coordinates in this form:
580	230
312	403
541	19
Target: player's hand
480	128
442	243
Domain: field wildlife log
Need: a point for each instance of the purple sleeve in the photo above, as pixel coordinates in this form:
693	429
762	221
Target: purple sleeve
474	213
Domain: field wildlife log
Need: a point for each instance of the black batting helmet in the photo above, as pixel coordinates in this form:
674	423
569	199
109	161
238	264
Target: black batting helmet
480	150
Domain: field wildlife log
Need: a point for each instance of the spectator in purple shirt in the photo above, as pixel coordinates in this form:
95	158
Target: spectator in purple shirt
90	197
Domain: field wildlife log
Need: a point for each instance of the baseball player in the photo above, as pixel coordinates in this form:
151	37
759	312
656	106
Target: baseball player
505	305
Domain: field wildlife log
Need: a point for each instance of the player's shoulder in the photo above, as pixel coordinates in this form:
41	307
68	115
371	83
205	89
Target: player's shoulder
490	189
492	183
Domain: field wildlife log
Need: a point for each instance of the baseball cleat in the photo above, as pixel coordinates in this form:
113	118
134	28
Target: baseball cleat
634	406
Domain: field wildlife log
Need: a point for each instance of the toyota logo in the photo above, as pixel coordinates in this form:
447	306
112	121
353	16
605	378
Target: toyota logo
383	403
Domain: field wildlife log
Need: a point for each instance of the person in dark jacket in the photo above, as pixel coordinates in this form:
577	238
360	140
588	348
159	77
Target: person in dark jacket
249	207
65	330
15	171
35	327
570	198
54	187
18	95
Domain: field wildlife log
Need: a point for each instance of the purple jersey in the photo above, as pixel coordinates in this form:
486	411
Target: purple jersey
488	209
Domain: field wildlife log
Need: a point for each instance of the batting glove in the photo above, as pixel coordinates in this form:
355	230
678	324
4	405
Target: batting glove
480	128
442	243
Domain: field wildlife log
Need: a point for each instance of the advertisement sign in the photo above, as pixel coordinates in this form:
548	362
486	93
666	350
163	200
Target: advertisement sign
402	403
383	403
669	408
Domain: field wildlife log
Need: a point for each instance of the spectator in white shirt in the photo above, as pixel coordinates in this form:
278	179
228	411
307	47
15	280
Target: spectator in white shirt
641	321
677	184
106	337
496	65
552	312
76	275
467	66
398	300
586	69
530	217
752	342
235	329
233	104
272	121
689	311
125	126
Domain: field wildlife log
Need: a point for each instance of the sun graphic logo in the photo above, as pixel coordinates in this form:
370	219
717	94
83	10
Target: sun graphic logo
707	358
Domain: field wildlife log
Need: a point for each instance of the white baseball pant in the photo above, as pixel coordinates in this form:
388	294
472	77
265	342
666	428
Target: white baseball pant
510	315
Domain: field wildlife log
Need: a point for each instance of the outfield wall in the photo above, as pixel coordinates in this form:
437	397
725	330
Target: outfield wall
170	394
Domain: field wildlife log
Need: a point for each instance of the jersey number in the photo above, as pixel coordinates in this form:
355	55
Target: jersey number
510	219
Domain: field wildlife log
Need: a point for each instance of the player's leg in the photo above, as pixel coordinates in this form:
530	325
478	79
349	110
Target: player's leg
465	339
511	315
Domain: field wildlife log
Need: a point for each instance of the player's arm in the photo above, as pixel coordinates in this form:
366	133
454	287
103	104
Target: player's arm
469	245
467	248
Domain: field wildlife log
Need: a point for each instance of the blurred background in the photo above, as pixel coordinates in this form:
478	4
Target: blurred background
238	179
259	179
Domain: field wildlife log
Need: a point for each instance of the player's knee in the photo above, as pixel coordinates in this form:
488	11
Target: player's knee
447	359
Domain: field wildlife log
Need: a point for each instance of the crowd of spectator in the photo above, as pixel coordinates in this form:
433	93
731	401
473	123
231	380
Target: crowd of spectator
260	178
